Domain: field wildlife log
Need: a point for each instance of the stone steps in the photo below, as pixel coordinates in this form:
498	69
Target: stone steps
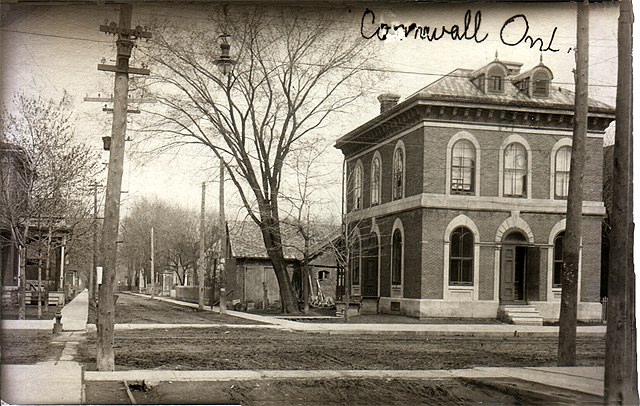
520	314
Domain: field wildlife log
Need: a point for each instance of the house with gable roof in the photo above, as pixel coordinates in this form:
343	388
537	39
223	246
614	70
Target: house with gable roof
456	198
249	273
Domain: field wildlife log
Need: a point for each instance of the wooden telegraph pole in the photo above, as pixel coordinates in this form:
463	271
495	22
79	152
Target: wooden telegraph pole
571	245
94	253
620	367
201	265
223	243
106	303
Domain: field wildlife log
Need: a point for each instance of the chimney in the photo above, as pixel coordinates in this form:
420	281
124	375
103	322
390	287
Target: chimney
387	101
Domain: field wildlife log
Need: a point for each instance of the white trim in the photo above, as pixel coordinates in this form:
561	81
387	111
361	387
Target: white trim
357	166
514	138
551	291
376	154
481	203
463	135
564	142
557	228
514	222
399	145
449	290
397	225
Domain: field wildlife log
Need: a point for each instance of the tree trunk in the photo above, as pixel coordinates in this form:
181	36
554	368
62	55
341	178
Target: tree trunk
273	243
571	245
22	279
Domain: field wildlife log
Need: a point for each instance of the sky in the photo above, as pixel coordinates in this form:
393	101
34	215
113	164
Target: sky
51	50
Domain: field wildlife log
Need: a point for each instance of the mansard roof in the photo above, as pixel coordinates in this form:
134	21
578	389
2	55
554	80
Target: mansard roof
456	98
457	86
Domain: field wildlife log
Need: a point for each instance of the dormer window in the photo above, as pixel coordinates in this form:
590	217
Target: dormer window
540	84
494	80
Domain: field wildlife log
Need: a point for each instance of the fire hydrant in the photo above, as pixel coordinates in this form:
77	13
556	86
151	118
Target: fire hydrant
57	327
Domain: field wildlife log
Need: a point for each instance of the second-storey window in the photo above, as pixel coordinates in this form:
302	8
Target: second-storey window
375	181
398	174
357	187
515	170
463	157
563	164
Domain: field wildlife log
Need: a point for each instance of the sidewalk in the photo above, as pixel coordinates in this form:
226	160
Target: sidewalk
56	382
588	380
74	317
475	330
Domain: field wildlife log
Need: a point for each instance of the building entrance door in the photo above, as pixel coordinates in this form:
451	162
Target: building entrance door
513	269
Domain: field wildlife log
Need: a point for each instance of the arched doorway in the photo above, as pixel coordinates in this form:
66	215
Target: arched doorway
370	267
513	269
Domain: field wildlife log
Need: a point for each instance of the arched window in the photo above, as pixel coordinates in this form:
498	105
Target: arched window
494	80
463	165
398	174
563	164
515	170
557	260
375	181
396	258
357	187
541	84
355	262
461	257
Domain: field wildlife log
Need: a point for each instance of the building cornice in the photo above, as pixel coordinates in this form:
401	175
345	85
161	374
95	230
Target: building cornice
440	109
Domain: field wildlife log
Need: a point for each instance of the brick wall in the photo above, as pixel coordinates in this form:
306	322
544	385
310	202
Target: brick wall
591	240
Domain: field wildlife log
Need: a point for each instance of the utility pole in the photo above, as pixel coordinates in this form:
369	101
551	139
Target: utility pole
571	244
223	242
153	269
201	267
106	309
620	366
94	254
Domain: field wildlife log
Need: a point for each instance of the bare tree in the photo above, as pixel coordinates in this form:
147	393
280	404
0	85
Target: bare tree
45	173
294	70
176	237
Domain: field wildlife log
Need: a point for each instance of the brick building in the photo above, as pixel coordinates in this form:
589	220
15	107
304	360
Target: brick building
456	197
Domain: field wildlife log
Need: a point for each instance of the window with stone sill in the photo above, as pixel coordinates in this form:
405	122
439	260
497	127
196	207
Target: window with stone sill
357	187
461	257
398	174
558	260
396	258
463	157
375	181
515	170
323	275
355	262
563	164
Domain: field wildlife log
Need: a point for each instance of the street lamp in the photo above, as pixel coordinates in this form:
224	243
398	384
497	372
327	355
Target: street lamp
224	62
